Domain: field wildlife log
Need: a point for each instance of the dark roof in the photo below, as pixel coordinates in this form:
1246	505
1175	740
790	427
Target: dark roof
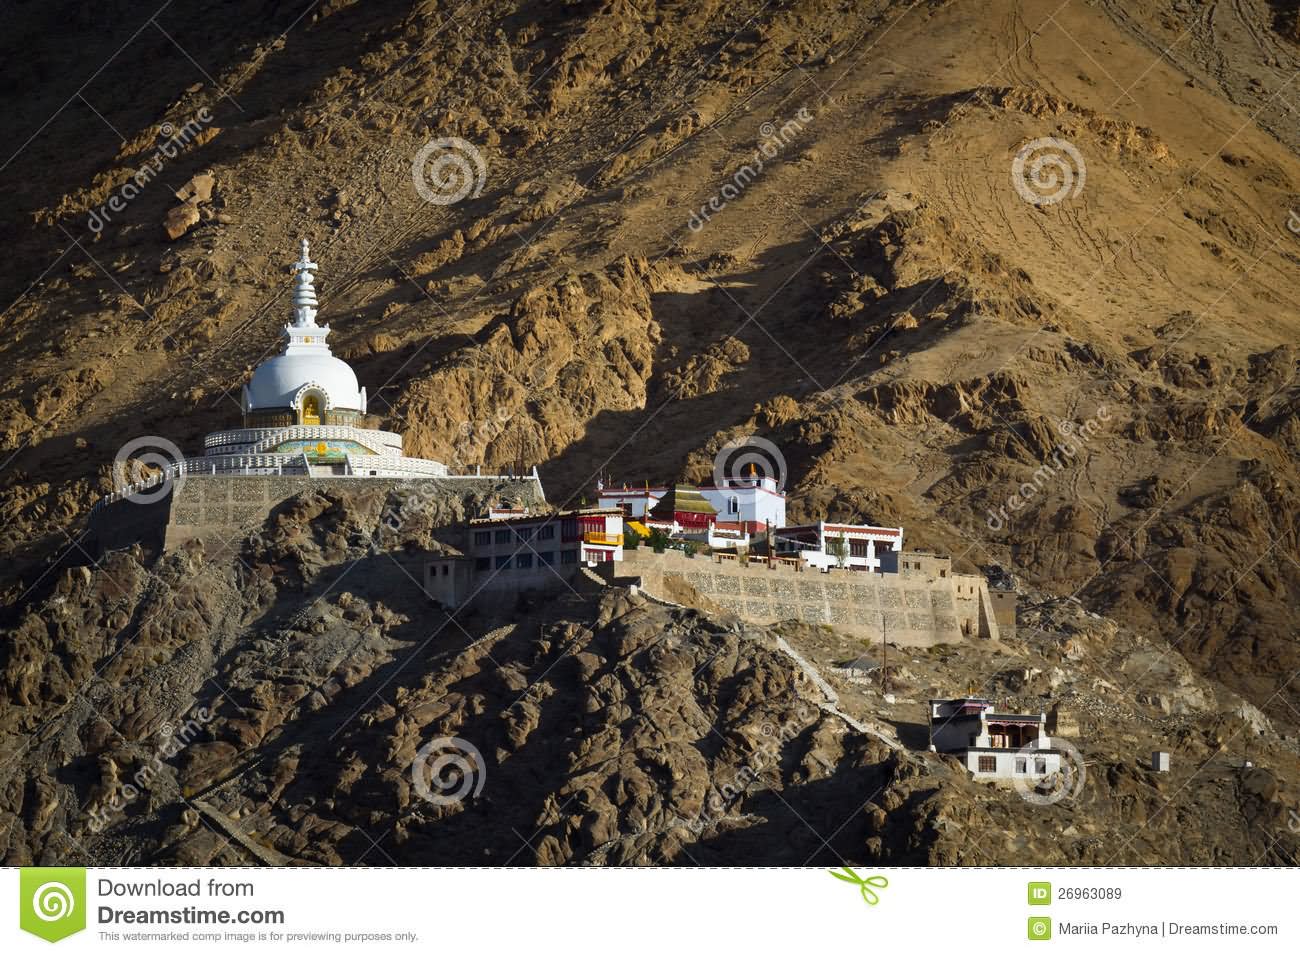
683	498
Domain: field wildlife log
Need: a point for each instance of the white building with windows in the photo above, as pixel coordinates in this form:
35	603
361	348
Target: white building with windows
990	744
824	545
514	551
745	506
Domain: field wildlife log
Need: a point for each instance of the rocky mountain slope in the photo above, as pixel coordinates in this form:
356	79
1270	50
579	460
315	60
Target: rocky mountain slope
1088	380
248	709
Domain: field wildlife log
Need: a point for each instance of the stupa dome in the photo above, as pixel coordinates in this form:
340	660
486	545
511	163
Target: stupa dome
281	381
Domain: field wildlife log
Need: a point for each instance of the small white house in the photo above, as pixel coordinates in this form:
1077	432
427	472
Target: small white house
825	546
633	502
993	745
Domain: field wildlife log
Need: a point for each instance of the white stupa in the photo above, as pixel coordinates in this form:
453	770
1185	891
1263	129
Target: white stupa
304	413
306	385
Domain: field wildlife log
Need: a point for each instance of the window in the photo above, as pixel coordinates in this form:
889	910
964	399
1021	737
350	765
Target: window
1040	765
502	561
733	505
482	564
482	537
446	568
858	549
524	561
1022	765
546	532
988	765
545	557
569	557
503	537
943	573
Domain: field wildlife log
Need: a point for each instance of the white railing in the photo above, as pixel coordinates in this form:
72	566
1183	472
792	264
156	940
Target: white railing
263	439
390	465
212	465
387	466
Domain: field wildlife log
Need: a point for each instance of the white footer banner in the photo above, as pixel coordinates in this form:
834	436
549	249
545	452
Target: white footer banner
635	911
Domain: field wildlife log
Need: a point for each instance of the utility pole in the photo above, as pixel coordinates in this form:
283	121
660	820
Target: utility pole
771	553
884	656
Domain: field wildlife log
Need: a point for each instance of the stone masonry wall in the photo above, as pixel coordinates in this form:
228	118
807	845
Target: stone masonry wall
913	610
219	509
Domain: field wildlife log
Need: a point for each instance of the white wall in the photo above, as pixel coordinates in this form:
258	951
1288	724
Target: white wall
1006	764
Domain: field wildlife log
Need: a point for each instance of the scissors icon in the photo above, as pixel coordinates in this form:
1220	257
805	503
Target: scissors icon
864	885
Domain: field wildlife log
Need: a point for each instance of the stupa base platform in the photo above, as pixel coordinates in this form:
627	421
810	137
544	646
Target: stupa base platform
220	511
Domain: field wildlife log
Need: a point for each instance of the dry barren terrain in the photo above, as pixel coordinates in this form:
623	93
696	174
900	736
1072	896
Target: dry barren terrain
1023	277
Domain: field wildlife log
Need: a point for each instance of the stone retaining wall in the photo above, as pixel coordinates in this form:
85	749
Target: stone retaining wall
219	509
909	609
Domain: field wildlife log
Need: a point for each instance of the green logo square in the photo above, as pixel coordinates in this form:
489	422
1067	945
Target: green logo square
52	901
1040	927
1040	894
